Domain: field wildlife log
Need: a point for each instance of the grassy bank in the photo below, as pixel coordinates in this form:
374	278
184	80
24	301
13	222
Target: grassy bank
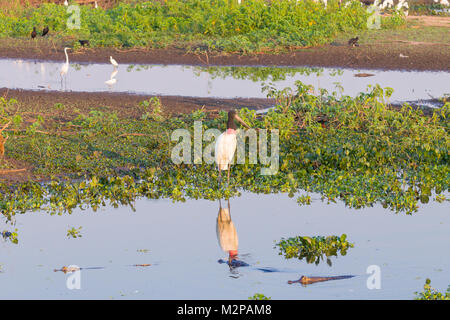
253	26
356	150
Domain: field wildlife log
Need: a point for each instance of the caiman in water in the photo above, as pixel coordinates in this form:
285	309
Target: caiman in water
304	280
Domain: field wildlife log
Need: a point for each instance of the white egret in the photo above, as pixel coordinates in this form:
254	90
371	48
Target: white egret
65	66
66	3
113	62
96	5
226	144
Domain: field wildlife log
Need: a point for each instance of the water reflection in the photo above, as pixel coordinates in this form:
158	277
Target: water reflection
226	232
228	240
219	82
112	78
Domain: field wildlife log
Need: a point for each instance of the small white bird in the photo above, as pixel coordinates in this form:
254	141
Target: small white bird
96	5
402	56
226	144
113	62
66	3
65	66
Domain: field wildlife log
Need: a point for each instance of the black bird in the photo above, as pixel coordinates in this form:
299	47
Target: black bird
83	42
353	42
45	31
33	33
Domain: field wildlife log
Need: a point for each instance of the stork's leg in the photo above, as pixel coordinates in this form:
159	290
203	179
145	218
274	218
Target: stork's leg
229	166
220	178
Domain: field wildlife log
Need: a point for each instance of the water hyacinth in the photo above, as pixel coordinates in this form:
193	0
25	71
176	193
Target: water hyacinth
314	249
356	150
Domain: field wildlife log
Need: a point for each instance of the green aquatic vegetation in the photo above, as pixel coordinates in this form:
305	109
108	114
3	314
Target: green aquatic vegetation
10	236
430	293
357	150
314	249
74	232
153	109
196	25
259	296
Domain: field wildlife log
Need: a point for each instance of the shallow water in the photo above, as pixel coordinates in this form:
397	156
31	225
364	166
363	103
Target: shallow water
183	249
219	82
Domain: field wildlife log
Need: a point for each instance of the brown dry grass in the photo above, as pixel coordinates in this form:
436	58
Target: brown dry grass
430	21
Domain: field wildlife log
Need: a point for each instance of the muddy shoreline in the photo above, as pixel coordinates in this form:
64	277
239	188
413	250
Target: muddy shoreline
127	104
376	56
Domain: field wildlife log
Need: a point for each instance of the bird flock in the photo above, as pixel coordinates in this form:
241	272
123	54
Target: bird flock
44	32
65	69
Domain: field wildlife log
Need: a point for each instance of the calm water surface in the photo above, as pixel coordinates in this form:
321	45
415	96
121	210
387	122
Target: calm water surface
181	243
219	82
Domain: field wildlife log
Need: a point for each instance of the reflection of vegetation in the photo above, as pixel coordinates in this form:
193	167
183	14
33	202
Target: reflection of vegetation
255	25
357	150
259	296
429	9
258	73
314	249
133	67
76	66
430	293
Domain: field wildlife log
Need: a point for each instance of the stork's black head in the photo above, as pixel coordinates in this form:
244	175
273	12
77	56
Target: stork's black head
232	115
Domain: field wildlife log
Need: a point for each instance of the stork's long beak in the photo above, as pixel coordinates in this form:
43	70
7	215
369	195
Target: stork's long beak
241	121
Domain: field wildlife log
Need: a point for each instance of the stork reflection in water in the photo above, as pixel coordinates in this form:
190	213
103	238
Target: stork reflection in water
229	242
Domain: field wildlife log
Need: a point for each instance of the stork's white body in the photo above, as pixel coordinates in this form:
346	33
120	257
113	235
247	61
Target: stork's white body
225	149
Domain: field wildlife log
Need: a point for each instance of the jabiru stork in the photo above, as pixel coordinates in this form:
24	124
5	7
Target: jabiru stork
226	144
